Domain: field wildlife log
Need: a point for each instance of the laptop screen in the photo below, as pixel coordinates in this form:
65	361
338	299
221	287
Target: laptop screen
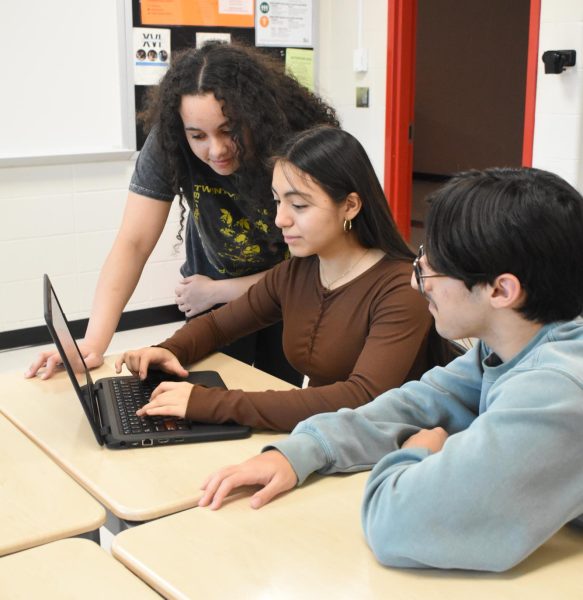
70	353
68	344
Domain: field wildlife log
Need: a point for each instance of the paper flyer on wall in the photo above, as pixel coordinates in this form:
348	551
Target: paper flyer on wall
283	23
206	13
299	62
236	7
151	55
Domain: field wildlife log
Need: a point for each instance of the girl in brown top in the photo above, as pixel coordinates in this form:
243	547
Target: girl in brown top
351	321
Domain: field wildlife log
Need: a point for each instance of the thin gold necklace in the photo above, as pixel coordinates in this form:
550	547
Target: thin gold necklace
329	284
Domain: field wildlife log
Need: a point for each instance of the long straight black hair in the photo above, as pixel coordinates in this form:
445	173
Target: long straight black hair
336	161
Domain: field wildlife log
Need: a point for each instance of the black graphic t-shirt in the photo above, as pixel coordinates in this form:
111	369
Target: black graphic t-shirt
227	235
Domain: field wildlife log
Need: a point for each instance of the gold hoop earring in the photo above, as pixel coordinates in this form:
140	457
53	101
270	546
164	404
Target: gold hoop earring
347	225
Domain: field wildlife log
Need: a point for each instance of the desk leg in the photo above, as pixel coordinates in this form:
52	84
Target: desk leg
91	535
116	525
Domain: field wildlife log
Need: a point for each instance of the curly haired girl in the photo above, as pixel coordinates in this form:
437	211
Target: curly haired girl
215	119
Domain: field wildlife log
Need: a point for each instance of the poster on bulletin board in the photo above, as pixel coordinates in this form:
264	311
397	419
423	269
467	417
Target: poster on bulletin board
283	23
204	13
151	55
299	63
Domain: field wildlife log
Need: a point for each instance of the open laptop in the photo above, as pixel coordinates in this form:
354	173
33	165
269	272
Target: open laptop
110	403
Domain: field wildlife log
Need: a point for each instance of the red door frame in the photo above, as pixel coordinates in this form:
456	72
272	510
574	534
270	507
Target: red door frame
531	71
400	110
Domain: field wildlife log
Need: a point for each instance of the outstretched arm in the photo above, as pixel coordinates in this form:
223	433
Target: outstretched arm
383	350
354	440
143	221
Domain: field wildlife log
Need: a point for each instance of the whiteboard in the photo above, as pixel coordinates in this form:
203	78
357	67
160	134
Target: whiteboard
66	80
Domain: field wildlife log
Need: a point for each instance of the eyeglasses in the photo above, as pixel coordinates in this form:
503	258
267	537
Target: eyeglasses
419	277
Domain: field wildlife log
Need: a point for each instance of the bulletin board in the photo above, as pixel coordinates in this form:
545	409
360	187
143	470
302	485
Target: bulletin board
202	17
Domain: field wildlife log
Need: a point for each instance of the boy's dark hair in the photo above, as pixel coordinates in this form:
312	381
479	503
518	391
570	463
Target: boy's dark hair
526	222
336	161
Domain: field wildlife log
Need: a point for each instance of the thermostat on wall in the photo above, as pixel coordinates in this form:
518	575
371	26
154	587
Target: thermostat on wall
362	97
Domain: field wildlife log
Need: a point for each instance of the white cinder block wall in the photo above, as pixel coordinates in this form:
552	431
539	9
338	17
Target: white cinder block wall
558	134
338	37
61	219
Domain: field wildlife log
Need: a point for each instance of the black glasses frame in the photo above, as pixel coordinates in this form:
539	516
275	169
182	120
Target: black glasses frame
419	277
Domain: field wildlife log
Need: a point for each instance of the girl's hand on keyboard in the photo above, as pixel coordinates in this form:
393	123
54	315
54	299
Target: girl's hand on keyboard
138	362
170	398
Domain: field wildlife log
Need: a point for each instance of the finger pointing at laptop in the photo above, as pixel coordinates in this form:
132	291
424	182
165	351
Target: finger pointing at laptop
138	362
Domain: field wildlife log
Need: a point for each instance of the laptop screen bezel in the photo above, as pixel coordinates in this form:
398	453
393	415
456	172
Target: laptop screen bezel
88	400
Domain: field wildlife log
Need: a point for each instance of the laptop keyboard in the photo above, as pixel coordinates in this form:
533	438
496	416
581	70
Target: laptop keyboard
130	395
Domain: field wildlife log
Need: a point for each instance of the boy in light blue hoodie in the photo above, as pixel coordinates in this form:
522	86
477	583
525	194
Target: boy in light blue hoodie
478	463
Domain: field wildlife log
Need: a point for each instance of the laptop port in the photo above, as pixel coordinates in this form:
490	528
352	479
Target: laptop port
147	442
178	440
163	441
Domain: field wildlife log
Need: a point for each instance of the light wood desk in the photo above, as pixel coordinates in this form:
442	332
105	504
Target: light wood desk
39	502
68	569
135	484
309	544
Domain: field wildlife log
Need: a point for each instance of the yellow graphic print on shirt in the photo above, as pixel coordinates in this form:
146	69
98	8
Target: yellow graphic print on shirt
237	241
238	232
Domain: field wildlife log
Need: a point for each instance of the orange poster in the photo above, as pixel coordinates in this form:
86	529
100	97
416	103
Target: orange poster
207	13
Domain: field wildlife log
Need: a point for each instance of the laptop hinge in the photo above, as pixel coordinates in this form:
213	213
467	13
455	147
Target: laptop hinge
97	390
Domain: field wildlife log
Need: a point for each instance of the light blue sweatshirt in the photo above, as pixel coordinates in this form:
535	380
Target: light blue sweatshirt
508	477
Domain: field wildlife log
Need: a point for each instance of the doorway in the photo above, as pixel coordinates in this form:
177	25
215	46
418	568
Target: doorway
461	96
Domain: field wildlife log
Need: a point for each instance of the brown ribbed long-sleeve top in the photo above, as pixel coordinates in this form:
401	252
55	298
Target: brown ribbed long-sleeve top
353	342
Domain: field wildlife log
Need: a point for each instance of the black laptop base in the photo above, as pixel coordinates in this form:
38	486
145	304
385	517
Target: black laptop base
181	431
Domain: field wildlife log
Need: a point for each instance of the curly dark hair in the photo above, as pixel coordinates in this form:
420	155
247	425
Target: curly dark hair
262	103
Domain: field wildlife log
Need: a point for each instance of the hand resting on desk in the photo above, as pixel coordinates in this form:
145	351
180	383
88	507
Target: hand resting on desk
274	472
50	360
170	397
270	469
